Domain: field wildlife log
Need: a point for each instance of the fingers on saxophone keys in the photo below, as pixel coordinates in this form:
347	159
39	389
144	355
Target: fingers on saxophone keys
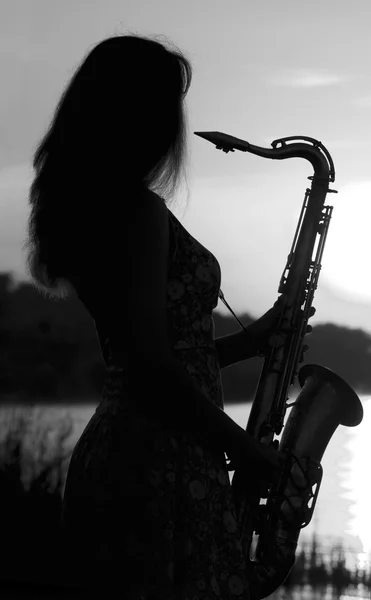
276	340
309	328
304	349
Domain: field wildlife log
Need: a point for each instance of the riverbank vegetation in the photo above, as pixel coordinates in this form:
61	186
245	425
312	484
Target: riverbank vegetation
34	456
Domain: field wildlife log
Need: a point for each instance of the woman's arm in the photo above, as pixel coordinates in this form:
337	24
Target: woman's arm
235	347
254	339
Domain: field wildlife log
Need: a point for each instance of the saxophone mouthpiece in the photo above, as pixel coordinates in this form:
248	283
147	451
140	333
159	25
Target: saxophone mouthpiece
223	141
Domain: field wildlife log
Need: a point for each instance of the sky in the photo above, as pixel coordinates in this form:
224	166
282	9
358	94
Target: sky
261	70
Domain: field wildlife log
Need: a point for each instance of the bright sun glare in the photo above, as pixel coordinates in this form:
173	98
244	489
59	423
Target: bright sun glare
347	253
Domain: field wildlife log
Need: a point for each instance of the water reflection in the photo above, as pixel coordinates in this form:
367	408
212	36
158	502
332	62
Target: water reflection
328	592
359	482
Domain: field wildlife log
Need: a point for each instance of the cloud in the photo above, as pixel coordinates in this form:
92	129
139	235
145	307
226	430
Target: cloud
305	78
363	102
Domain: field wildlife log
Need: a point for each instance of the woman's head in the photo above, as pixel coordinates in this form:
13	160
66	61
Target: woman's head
120	125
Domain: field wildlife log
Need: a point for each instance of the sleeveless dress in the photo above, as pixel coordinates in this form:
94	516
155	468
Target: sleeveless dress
152	509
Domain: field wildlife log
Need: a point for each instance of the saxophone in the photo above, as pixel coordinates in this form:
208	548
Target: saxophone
324	402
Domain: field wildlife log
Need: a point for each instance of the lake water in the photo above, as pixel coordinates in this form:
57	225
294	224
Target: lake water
343	504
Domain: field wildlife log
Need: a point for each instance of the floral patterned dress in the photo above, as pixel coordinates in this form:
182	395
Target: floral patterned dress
151	508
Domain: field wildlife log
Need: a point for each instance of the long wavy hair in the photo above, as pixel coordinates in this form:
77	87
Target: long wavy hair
119	126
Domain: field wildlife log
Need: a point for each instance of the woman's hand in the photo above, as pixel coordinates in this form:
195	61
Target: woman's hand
264	329
253	460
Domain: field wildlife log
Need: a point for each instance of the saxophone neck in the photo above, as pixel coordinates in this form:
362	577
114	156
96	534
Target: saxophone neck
282	148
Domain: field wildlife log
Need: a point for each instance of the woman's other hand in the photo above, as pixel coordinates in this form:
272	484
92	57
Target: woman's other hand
254	461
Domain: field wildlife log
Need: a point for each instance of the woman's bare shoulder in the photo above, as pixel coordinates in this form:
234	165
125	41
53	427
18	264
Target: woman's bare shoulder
147	199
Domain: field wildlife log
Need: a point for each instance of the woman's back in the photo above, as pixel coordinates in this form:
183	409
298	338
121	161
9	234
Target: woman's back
144	494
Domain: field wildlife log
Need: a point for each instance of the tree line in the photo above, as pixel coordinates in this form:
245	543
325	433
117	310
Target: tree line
49	350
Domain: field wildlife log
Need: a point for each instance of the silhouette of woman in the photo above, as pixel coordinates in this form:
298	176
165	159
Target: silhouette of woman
147	508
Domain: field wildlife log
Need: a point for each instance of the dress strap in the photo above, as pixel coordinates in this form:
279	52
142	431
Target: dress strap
221	296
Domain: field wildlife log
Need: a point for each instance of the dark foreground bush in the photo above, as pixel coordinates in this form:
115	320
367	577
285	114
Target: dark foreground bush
33	464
